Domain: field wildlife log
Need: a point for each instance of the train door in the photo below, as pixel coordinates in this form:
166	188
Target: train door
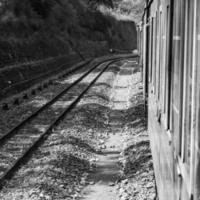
151	49
186	139
167	65
176	109
160	60
164	62
155	39
147	64
157	60
160	63
146	57
177	74
196	174
158	18
141	50
195	110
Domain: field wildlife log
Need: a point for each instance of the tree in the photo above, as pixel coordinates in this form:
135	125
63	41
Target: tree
95	3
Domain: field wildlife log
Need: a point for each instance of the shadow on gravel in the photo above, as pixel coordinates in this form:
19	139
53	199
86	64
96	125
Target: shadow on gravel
103	85
84	115
106	173
111	69
54	176
66	170
138	158
97	95
81	144
126	72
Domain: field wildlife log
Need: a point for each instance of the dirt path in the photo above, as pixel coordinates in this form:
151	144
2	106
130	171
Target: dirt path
108	172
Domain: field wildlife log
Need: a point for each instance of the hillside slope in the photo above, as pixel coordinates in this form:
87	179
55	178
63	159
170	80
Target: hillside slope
38	29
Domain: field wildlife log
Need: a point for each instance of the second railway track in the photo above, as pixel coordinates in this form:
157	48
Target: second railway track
18	143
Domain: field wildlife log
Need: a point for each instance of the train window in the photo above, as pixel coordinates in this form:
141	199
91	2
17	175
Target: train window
151	50
161	64
159	43
164	58
167	63
157	53
197	108
177	74
154	53
198	75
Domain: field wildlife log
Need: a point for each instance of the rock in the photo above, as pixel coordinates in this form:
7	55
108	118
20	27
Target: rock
101	142
103	147
152	196
73	174
121	191
41	195
85	174
149	185
78	189
117	181
76	196
47	197
92	160
83	181
125	181
111	184
70	190
91	182
125	196
99	135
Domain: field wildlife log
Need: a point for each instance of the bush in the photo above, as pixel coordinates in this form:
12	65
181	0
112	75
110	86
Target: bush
37	29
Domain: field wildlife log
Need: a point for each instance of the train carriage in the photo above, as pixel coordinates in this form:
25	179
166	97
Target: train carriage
169	45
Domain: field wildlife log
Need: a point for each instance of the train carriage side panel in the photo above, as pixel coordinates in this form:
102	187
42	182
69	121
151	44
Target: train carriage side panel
173	63
197	130
160	141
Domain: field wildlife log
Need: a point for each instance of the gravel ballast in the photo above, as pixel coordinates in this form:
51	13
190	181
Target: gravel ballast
67	165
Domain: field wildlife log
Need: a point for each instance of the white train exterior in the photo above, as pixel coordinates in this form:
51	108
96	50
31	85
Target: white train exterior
169	47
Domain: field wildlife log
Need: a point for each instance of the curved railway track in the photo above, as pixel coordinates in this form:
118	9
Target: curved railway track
18	143
41	86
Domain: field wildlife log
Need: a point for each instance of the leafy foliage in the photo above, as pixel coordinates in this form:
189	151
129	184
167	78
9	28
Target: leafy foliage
132	8
35	29
95	3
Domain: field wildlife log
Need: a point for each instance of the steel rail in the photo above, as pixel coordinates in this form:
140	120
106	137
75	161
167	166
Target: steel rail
10	171
10	133
39	77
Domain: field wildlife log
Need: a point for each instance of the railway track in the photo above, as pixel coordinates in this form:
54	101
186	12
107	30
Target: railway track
18	143
38	87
